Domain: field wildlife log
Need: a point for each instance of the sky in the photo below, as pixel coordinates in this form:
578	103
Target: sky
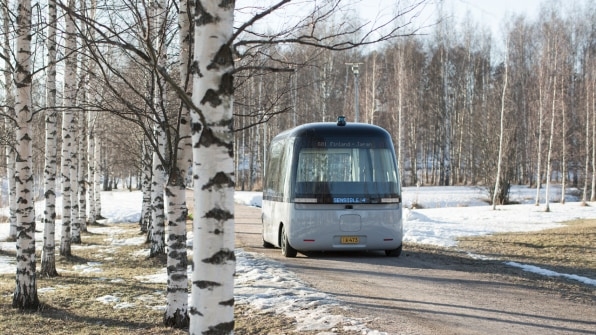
281	291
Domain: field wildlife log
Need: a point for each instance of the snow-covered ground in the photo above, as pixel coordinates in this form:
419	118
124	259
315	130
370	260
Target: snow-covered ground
445	213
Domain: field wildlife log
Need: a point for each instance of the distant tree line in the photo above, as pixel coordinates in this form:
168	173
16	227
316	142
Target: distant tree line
441	96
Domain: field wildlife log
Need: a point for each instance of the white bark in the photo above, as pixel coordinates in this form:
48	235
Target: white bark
587	147
67	135
550	146
157	198
501	135
75	223
25	294
176	313
48	255
212	302
91	169
9	126
97	174
146	188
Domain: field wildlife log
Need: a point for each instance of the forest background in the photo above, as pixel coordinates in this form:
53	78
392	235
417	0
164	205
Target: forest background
440	95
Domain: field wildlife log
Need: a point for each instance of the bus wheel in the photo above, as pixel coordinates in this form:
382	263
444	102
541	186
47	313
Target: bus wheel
394	252
286	248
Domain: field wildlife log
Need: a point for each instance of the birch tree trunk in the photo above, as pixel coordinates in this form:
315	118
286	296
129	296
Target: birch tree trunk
563	150
158	246
501	134
176	314
97	173
91	168
157	197
587	147
593	140
90	118
8	123
75	225
82	175
539	153
25	294
146	189
48	255
70	76
550	145
212	301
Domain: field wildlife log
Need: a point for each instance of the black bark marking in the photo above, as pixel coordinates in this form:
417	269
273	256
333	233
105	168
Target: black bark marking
211	97
222	328
227	303
205	284
227	84
227	4
204	17
196	127
194	68
223	58
221	257
219	214
208	139
194	311
220	180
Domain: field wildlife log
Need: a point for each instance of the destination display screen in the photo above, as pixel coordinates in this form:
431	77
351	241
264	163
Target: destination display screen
333	143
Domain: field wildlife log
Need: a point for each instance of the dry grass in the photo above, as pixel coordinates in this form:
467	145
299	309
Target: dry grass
70	305
69	302
570	249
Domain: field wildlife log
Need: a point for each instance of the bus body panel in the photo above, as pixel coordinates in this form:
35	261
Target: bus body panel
315	228
333	188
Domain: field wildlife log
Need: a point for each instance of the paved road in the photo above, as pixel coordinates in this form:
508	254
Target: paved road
426	291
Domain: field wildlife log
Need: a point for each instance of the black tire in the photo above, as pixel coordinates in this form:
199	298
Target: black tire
286	248
394	252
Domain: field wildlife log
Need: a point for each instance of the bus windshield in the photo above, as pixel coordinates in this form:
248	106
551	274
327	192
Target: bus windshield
345	173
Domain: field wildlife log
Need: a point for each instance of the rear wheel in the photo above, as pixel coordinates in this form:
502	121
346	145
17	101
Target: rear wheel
286	248
394	252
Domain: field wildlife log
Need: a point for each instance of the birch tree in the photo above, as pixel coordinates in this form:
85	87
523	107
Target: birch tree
159	14
501	133
74	132
9	123
212	301
48	255
146	175
176	313
25	294
67	132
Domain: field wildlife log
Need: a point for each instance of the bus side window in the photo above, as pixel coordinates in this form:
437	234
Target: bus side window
273	186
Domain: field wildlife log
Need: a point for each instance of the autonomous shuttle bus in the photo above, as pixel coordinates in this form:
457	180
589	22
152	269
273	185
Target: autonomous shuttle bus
332	186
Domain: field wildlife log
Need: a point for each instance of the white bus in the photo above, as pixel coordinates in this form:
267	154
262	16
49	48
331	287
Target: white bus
332	186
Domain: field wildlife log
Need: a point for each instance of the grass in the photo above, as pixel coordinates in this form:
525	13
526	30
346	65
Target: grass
69	302
569	249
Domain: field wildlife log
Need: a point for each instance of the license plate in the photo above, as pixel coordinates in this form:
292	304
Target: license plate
349	240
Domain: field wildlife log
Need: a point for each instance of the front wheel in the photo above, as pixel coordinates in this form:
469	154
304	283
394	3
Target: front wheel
286	248
394	252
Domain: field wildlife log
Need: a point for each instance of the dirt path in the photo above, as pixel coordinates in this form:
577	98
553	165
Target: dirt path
433	291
